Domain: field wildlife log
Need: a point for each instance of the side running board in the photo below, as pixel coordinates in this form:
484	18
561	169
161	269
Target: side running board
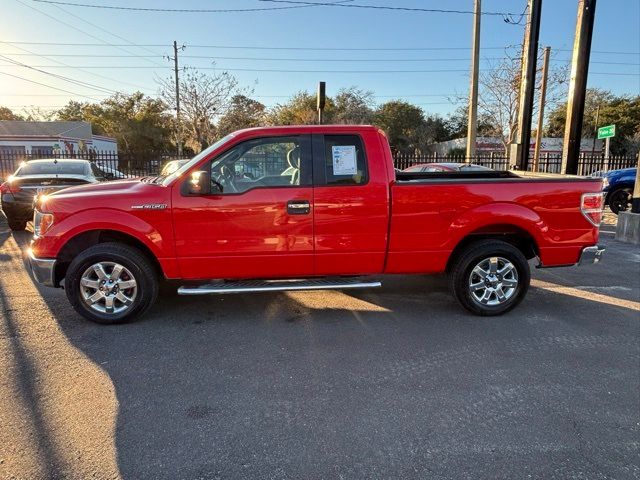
242	286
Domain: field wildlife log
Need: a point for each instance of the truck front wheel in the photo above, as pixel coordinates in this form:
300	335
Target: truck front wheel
490	277
111	283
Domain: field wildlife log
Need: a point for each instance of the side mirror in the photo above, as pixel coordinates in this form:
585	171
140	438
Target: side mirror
198	184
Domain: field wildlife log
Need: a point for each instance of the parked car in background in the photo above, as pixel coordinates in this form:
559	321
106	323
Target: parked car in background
37	177
172	166
108	173
617	186
340	215
446	167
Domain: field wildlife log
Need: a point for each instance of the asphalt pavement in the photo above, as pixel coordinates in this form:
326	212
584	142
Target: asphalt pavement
398	382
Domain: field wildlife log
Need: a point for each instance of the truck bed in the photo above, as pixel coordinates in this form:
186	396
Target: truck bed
432	212
411	178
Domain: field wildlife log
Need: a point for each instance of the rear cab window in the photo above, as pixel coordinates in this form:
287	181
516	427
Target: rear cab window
340	160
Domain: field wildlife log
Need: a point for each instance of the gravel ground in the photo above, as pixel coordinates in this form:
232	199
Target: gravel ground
393	383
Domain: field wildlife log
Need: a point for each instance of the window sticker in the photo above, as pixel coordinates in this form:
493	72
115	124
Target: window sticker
344	160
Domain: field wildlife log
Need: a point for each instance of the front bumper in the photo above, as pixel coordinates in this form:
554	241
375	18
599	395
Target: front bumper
591	255
43	269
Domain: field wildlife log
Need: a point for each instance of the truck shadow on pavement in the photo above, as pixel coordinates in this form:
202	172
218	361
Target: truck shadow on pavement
395	382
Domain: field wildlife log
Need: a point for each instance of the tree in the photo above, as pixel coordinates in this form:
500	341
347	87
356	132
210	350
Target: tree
301	109
38	114
499	94
403	124
621	111
353	106
243	112
7	114
458	121
203	98
138	122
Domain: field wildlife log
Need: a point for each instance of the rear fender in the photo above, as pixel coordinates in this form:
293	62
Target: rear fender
499	213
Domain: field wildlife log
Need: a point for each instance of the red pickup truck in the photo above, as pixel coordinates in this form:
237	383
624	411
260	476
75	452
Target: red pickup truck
306	208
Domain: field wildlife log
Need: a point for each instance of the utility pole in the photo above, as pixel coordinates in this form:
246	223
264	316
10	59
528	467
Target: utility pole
543	99
578	86
520	151
178	122
472	127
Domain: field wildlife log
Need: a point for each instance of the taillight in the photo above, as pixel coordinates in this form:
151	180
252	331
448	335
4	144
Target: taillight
591	206
8	187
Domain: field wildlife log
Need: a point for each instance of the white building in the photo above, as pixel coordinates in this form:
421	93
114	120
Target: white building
48	138
488	145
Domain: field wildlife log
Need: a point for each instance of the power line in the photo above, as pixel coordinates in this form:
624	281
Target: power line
268	70
48	86
60	77
384	7
48	57
183	10
260	47
104	42
106	31
271	59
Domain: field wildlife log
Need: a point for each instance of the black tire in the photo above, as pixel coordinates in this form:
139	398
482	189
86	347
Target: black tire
133	260
460	276
619	200
16	225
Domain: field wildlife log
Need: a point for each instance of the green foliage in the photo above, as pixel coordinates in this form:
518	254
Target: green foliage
139	123
7	114
353	107
243	112
621	111
402	123
300	110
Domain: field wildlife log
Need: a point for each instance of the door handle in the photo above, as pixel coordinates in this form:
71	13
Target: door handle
298	207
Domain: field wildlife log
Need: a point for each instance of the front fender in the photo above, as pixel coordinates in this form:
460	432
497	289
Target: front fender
158	240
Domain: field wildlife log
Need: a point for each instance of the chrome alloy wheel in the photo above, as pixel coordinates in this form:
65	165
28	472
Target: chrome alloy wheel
108	287
493	281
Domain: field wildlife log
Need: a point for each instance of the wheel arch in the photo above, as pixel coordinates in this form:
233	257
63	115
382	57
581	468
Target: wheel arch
88	238
515	235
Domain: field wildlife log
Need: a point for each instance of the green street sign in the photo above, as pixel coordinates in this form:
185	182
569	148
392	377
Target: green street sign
606	132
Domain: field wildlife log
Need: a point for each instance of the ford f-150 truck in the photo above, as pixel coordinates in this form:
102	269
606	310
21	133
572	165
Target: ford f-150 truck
306	208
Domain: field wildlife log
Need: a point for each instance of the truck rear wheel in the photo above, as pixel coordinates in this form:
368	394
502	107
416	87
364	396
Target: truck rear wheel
111	283
490	277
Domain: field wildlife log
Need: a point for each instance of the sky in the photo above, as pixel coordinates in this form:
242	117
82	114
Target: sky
420	57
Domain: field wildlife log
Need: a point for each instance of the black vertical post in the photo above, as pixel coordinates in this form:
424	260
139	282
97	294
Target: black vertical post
529	84
321	100
578	86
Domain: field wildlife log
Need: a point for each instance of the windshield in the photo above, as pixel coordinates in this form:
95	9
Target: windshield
178	173
51	168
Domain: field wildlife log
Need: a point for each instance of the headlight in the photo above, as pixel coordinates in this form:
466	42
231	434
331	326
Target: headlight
41	222
605	182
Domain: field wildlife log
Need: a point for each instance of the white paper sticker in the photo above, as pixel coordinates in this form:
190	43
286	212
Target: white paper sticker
344	160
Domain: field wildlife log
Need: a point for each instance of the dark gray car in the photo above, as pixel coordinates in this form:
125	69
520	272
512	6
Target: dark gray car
37	177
